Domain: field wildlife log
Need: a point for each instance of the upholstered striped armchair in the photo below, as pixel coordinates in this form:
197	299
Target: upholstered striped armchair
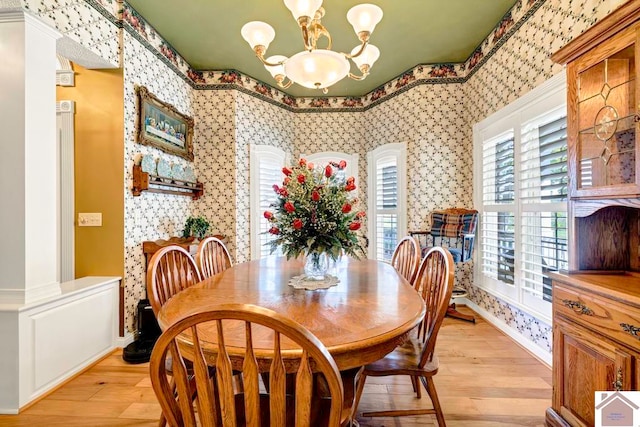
452	228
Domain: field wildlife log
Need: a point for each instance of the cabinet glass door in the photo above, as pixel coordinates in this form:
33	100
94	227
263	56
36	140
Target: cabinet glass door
607	111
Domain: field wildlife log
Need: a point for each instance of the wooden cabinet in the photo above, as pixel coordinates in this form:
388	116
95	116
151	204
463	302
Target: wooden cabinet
603	97
603	146
603	132
596	306
596	346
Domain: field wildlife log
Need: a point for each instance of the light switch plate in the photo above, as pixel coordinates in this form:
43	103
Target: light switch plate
90	219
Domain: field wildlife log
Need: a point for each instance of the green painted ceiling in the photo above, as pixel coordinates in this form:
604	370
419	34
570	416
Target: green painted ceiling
207	34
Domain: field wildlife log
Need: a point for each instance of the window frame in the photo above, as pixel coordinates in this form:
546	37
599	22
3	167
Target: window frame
547	99
399	152
257	153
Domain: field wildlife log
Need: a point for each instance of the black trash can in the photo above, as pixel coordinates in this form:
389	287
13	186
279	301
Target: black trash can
148	332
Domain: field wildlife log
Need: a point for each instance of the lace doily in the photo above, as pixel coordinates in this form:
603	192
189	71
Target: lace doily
301	282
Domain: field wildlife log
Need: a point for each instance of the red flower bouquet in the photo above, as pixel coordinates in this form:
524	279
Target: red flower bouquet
315	212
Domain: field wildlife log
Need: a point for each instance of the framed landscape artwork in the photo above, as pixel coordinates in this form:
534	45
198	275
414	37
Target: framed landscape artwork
162	126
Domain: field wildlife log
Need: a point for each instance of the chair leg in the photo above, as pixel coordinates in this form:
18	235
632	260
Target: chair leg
163	420
362	378
431	389
416	386
455	314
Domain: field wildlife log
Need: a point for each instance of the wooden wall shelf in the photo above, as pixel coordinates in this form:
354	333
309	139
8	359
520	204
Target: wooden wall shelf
143	181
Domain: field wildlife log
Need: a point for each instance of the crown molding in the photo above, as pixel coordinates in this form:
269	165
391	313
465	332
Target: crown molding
10	13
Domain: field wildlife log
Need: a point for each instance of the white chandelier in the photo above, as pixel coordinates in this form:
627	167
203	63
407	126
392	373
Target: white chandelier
316	68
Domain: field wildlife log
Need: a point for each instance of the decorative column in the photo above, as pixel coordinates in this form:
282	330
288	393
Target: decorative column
29	217
64	112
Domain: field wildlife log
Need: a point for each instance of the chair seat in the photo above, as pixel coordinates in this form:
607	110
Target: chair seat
455	253
403	361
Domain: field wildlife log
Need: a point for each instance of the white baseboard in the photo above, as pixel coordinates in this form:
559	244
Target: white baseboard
122	342
10	411
536	351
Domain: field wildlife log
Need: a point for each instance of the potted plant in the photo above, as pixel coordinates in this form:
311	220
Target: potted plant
196	227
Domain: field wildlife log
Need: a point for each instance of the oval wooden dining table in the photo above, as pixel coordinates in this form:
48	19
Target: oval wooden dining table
361	319
365	316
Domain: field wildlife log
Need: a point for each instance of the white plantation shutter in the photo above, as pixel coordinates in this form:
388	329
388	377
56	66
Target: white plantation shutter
543	197
387	212
266	170
520	162
386	208
497	235
270	173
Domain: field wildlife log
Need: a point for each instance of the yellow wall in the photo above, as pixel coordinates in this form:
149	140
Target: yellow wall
99	166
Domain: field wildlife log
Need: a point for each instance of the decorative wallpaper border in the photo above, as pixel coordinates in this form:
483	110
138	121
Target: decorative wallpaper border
500	34
110	9
422	74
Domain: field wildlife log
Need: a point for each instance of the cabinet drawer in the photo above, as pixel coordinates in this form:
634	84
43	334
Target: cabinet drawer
608	317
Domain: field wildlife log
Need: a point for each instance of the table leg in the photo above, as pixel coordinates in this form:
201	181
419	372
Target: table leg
349	380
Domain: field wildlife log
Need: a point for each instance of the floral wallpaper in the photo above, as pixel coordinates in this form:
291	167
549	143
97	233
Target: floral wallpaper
257	122
214	150
522	63
90	32
149	216
429	120
431	108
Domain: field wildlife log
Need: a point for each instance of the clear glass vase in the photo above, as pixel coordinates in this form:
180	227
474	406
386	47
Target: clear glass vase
316	266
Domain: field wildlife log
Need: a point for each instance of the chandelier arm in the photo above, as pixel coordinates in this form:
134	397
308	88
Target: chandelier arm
260	55
359	52
286	85
280	78
328	36
318	30
307	38
365	72
358	78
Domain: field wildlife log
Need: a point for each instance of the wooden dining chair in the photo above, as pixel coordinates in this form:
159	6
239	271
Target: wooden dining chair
170	270
406	258
216	403
212	257
416	357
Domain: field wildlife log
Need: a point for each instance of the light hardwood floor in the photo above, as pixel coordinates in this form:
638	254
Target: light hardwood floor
485	380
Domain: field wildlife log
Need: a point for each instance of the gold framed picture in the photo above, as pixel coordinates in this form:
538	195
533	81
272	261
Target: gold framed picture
161	125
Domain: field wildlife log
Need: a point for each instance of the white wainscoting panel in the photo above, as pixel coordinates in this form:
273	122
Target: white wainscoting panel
49	341
69	336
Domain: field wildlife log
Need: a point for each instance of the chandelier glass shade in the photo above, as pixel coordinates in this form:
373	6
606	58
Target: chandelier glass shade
314	67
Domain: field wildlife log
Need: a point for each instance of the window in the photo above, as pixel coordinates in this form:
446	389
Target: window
322	159
521	160
387	200
266	165
543	184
